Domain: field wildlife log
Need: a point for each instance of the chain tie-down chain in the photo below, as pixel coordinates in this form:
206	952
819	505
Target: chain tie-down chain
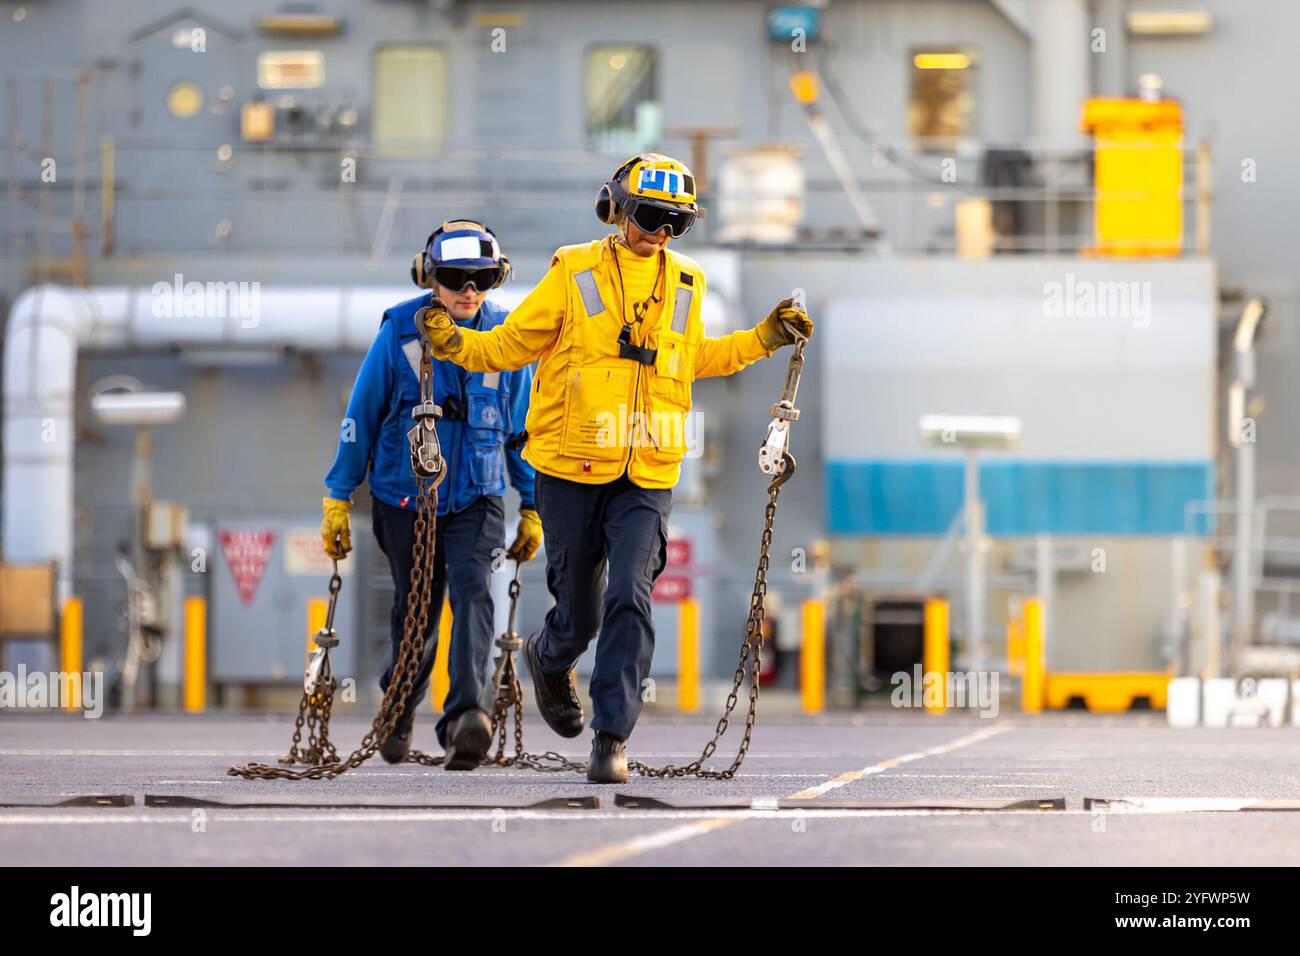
318	688
774	459
430	471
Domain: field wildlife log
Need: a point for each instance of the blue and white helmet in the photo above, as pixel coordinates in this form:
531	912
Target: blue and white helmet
463	244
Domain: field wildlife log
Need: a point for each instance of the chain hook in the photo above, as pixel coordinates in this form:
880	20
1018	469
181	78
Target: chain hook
774	455
426	451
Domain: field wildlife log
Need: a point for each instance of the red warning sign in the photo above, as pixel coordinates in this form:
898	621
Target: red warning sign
679	552
671	588
246	555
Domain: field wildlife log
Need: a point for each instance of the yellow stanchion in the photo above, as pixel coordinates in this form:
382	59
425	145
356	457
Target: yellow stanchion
936	654
688	655
1033	681
317	609
71	644
441	667
812	657
195	680
1015	646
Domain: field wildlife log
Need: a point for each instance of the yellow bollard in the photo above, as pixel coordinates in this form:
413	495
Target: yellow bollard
935	650
812	657
441	671
317	609
1032	683
195	681
688	655
71	633
1015	646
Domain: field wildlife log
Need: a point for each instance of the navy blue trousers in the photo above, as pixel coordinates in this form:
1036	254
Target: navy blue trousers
593	531
463	562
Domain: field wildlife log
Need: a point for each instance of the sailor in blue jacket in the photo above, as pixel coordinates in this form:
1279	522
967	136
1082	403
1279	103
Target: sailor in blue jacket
481	433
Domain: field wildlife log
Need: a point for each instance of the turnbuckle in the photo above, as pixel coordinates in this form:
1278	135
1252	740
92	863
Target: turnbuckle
326	639
317	666
774	455
426	452
503	676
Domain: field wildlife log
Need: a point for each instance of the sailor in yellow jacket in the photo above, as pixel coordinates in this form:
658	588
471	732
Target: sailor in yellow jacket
615	328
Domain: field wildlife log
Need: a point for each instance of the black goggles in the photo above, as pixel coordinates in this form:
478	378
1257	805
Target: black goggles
482	279
651	217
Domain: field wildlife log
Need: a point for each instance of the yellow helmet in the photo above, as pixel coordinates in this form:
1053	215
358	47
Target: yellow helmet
654	190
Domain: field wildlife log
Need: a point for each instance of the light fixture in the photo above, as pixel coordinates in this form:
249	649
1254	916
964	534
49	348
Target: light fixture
300	24
184	100
941	61
1169	22
138	408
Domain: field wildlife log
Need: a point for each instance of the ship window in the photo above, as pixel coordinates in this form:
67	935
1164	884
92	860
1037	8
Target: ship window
941	109
408	99
623	111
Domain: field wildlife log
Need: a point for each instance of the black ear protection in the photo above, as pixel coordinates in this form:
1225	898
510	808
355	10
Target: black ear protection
422	265
611	195
614	194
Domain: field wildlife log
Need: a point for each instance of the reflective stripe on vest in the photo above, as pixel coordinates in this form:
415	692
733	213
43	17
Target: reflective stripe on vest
412	350
591	300
682	308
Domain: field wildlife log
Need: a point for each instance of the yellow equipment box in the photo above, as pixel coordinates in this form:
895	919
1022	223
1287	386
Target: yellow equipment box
1139	176
1106	693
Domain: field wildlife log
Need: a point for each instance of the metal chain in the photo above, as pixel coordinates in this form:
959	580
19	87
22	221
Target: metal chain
751	654
318	692
774	458
314	710
413	630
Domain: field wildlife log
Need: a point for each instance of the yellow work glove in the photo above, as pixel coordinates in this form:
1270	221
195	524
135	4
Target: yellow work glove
336	528
528	538
783	324
444	334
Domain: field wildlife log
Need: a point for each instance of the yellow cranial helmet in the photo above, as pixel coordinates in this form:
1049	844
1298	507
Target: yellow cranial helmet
656	176
654	190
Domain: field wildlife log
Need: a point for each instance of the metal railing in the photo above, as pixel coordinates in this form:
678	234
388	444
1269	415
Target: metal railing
122	189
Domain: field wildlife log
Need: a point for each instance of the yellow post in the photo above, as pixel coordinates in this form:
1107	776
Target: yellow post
70	648
1015	646
1032	683
441	671
317	609
195	681
688	655
812	658
936	655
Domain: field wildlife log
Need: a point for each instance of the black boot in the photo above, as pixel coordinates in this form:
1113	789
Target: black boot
398	745
469	736
557	697
608	760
